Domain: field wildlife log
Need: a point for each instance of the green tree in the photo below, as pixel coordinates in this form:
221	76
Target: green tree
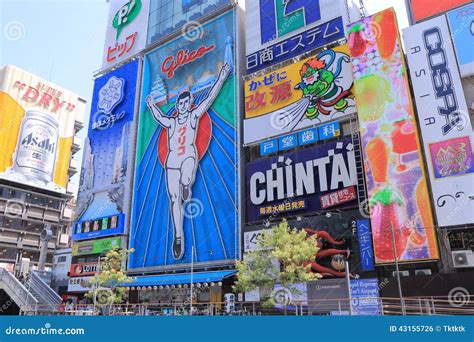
110	274
290	247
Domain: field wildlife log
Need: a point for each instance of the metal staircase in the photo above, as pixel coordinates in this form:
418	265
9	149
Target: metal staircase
47	298
18	292
361	188
33	297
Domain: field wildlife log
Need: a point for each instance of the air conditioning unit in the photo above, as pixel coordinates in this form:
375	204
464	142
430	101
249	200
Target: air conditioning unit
425	271
463	259
402	273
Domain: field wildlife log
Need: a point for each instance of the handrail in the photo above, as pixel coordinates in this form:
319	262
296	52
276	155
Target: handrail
44	291
389	306
18	293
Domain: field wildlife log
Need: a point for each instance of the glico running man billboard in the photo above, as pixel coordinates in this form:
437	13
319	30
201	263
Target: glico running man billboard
397	188
37	129
185	195
105	175
313	91
312	179
444	120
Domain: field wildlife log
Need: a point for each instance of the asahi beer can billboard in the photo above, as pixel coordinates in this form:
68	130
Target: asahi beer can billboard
37	146
37	129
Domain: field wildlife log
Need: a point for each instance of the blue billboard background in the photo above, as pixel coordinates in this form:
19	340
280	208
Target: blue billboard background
210	217
104	173
462	31
168	16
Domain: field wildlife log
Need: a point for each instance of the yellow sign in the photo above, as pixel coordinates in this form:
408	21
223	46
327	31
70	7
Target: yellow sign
36	129
312	91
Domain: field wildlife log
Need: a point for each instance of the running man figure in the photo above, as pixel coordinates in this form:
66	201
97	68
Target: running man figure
182	160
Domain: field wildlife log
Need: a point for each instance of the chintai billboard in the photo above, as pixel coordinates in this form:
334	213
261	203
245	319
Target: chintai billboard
36	129
105	176
185	193
317	178
397	188
313	91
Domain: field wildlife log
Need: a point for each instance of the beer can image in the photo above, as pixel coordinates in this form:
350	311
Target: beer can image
37	147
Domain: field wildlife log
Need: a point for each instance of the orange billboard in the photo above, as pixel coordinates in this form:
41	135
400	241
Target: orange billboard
400	210
423	9
36	129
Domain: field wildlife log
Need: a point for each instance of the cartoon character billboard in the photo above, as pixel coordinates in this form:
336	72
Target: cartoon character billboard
312	91
105	176
185	196
397	188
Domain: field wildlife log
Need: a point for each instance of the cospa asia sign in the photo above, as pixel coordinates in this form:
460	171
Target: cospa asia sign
308	180
278	30
126	30
444	120
36	129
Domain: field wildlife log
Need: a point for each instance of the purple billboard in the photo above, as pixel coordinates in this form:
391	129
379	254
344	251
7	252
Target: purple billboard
317	178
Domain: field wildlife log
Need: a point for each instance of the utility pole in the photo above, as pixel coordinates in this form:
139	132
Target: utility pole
400	294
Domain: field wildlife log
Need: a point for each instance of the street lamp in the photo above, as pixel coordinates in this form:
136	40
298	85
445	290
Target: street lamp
402	301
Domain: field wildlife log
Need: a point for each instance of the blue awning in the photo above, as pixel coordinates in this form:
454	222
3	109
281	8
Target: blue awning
180	278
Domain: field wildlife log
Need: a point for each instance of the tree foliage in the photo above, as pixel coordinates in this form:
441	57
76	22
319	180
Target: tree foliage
282	258
110	273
